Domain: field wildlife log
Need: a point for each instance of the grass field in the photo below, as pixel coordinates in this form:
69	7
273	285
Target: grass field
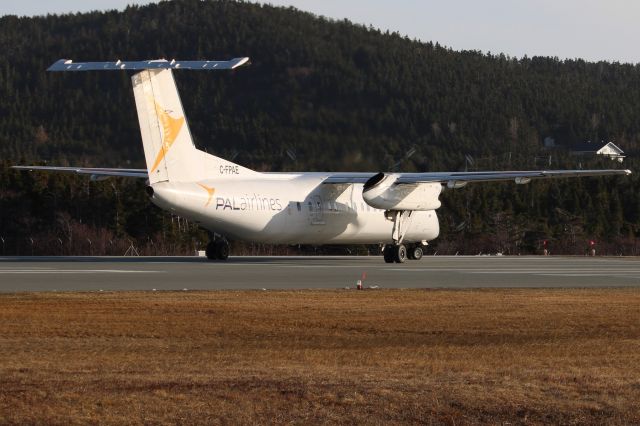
415	356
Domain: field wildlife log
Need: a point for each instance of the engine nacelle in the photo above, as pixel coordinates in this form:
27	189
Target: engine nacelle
381	192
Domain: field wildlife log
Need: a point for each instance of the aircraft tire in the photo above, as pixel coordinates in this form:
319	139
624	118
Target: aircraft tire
389	253
400	252
222	250
410	254
416	253
210	251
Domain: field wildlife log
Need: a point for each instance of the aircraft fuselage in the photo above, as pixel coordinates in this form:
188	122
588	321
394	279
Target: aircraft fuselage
287	208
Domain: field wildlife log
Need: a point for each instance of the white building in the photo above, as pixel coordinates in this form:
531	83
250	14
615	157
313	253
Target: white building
608	149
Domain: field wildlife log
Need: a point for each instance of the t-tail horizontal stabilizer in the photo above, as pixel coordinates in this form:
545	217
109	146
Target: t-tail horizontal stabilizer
168	147
69	65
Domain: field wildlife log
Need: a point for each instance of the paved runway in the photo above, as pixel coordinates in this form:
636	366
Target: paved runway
177	273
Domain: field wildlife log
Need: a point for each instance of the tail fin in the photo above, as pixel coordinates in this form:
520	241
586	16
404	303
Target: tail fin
168	147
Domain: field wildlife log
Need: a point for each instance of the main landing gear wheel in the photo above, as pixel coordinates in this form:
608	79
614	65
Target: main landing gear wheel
388	253
218	250
395	253
416	253
400	252
210	251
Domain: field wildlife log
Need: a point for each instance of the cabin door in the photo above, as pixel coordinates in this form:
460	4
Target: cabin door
315	210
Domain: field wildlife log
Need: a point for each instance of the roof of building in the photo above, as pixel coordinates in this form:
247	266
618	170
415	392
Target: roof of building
594	147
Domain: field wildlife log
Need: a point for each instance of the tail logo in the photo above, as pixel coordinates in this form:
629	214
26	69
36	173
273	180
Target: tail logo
210	191
170	129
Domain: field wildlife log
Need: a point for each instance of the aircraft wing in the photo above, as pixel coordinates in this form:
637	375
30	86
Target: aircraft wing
335	178
451	179
459	179
94	173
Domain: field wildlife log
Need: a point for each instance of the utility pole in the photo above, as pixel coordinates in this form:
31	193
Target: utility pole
115	191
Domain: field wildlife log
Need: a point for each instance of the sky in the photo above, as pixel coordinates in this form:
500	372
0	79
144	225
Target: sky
590	29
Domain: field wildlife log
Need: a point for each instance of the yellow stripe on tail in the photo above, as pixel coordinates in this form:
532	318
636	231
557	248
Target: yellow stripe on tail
170	130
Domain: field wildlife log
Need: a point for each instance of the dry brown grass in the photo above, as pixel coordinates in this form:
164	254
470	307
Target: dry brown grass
419	356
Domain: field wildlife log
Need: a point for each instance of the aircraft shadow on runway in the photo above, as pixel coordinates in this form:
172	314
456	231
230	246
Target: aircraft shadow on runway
180	259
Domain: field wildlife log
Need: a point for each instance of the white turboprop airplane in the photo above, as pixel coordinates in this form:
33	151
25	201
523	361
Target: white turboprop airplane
394	209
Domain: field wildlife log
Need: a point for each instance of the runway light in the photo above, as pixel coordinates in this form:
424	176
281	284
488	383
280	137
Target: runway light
361	280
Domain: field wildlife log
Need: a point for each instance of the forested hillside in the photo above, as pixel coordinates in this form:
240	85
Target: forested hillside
319	95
